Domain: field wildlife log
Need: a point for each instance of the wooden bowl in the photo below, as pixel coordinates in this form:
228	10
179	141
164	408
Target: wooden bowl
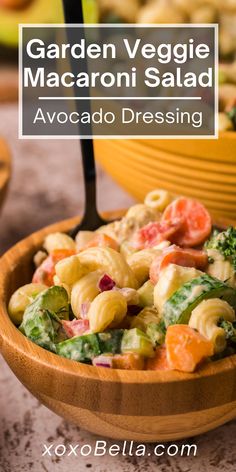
5	169
131	405
202	169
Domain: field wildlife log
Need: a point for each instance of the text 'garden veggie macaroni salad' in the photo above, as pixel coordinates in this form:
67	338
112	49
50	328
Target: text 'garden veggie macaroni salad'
155	290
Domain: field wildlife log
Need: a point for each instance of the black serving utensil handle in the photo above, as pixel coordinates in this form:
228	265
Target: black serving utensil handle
73	12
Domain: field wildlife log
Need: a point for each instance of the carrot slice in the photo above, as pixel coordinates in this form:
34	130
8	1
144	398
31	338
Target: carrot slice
180	256
197	221
186	347
160	361
59	254
155	232
46	271
128	361
101	240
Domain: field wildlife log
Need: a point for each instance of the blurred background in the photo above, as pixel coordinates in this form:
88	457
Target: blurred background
46	179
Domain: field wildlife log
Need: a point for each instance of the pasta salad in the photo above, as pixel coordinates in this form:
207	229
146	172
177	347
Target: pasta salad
155	290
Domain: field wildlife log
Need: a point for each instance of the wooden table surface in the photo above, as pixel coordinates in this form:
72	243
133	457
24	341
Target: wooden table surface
46	186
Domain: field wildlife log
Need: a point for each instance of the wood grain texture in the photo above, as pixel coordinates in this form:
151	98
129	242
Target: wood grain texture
143	428
5	169
143	405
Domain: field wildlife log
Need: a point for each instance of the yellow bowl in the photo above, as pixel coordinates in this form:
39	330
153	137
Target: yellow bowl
218	150
194	162
181	174
202	169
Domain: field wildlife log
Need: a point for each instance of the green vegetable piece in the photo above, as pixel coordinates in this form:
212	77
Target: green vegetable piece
230	329
178	308
80	348
85	348
146	294
110	341
134	340
41	319
225	243
54	299
40	329
157	332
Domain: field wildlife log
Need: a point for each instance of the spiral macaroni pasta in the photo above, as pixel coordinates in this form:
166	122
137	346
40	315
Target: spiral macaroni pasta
107	309
111	262
84	291
205	317
140	263
21	299
69	270
59	241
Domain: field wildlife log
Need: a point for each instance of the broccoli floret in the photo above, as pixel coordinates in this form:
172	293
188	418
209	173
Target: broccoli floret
229	328
225	243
